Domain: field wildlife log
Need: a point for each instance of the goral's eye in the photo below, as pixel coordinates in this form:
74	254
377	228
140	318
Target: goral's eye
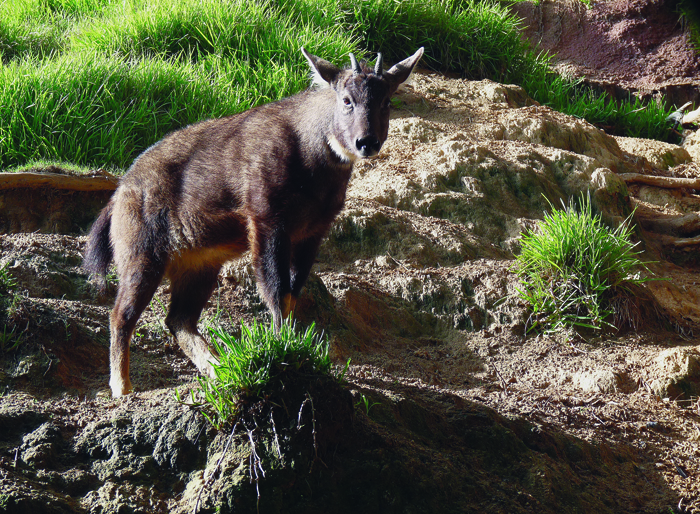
347	102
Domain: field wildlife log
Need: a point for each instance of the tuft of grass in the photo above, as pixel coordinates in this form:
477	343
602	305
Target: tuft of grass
50	166
7	281
9	340
257	364
8	285
574	266
689	11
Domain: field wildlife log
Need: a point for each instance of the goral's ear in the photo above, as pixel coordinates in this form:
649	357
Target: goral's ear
324	73
399	72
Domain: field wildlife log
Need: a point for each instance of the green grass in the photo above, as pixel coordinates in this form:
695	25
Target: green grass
132	74
95	82
474	38
104	110
7	282
9	340
631	118
256	33
573	267
690	15
257	364
49	166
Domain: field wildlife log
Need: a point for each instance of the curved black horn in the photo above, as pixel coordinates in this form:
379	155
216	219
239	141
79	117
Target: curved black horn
355	67
378	65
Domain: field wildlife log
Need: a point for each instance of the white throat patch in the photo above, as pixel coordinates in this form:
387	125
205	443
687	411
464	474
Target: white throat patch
338	149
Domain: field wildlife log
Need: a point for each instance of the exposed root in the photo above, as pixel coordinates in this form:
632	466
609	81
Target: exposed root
277	441
255	463
682	226
210	480
106	182
664	182
682	242
313	430
248	425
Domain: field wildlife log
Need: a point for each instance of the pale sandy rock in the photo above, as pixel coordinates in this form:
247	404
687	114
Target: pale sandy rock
679	361
692	145
601	381
675	297
541	125
659	154
677	373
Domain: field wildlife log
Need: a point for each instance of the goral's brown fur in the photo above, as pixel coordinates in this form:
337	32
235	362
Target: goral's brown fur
270	180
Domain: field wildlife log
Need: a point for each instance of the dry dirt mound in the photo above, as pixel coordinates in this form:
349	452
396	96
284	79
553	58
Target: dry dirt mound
621	45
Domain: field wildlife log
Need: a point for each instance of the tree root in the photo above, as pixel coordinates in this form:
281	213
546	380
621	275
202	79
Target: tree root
682	226
680	243
664	182
105	182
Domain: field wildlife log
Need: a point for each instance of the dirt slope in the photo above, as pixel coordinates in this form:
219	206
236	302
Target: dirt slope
637	46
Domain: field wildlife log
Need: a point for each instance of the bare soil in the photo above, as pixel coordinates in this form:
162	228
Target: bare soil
636	46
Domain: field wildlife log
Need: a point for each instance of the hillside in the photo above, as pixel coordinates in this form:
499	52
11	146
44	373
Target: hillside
450	405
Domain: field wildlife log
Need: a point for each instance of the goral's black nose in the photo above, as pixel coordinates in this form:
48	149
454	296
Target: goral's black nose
368	146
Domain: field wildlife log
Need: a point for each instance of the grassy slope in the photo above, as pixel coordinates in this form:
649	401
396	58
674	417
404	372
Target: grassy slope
95	82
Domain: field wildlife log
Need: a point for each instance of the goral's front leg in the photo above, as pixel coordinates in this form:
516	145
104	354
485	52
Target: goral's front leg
271	257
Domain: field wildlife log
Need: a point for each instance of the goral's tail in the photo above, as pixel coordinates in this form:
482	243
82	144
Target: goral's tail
98	253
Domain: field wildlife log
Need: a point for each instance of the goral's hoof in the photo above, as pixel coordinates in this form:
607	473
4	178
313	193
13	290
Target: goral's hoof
120	388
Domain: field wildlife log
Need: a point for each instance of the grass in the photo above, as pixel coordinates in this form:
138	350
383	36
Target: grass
95	82
47	166
474	38
8	285
119	81
257	364
9	340
690	15
573	268
104	110
631	118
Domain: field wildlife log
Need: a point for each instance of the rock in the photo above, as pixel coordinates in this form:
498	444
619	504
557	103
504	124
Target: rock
660	155
40	448
602	381
168	439
677	374
115	498
691	144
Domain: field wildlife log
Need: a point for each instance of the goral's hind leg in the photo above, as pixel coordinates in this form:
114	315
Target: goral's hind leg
190	290
137	284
